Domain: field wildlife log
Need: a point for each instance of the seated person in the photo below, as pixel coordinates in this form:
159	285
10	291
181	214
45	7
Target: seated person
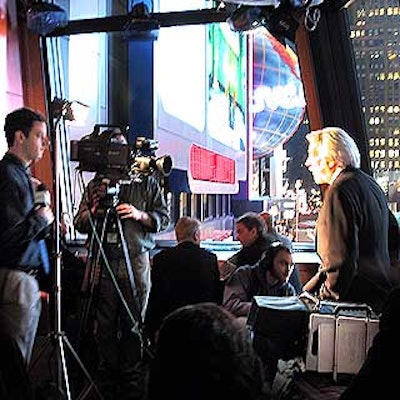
181	275
202	354
251	233
269	277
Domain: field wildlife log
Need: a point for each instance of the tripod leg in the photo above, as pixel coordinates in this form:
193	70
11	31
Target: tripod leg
43	348
85	371
64	365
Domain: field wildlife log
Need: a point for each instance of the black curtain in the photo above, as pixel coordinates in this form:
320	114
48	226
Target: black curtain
336	79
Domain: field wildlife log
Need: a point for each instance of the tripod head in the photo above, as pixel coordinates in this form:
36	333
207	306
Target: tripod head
111	195
109	198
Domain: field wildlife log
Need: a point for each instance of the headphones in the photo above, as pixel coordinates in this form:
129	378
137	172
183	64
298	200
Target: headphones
269	254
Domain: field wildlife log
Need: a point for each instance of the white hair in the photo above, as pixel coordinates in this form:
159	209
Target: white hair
338	144
186	229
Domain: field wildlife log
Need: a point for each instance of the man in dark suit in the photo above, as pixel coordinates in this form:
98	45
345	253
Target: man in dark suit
182	275
353	223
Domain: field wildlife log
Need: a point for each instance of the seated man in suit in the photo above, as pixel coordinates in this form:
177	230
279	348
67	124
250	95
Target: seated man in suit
182	275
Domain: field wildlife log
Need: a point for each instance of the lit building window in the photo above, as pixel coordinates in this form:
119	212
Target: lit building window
371	153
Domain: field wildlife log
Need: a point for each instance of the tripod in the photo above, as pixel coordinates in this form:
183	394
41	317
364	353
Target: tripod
100	235
58	338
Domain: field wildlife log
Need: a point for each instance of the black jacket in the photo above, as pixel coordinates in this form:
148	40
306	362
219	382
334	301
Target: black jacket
21	228
249	281
352	239
181	275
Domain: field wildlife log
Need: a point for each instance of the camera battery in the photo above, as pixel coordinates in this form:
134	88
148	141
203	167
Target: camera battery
112	237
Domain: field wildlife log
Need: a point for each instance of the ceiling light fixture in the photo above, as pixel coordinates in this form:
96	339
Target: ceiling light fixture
141	26
44	18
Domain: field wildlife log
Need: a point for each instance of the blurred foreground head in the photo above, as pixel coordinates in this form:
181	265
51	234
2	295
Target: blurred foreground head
202	353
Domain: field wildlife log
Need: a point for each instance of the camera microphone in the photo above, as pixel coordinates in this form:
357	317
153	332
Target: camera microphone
42	196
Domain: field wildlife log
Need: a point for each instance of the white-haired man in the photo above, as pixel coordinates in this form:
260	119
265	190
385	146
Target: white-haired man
352	227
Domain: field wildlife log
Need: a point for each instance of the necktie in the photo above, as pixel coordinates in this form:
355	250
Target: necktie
44	256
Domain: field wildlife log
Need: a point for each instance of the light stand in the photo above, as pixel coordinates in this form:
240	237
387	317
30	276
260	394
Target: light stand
61	109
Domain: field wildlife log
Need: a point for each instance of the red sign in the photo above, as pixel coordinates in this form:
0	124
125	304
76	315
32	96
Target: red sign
206	165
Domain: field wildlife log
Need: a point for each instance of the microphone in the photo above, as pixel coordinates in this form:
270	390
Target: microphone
42	196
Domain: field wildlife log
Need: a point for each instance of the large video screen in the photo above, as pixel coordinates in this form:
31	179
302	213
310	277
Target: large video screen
201	106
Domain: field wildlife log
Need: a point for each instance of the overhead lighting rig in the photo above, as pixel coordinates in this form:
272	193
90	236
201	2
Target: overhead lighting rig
141	26
44	18
280	17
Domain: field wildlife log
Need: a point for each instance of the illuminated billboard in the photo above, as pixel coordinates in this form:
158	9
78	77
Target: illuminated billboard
277	107
201	104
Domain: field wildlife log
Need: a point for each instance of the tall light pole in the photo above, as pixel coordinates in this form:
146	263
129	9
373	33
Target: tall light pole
298	184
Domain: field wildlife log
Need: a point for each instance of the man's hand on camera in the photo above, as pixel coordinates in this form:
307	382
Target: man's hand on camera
98	192
126	210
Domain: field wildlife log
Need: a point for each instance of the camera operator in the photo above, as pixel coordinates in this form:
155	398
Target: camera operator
142	212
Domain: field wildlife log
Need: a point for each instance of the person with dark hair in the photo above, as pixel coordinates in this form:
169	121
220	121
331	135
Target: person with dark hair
182	275
269	277
121	280
272	236
24	226
203	354
250	232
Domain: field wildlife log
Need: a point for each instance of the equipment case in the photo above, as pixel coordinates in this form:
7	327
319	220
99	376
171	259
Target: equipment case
340	335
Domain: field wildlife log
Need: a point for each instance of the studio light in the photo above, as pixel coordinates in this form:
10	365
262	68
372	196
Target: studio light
141	26
274	3
68	110
44	18
245	18
280	17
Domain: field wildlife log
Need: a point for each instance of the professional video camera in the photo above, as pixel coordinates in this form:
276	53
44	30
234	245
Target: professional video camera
109	154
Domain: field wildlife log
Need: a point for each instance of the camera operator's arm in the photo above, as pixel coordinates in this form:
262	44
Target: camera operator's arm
89	205
126	210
